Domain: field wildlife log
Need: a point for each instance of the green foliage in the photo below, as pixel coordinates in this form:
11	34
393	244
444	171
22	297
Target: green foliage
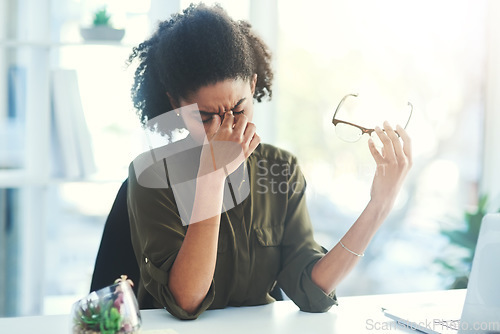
88	317
466	240
101	317
102	18
110	320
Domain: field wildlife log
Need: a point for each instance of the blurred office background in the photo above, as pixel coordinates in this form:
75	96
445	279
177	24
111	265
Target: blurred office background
440	55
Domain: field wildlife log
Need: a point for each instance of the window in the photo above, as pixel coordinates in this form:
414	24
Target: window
389	52
78	210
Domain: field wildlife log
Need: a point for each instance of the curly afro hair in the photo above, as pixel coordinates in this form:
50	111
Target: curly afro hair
200	46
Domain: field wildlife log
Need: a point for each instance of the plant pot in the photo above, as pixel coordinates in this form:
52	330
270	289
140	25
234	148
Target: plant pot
113	309
102	33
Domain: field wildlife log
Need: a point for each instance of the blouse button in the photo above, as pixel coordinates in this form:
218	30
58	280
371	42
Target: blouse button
146	260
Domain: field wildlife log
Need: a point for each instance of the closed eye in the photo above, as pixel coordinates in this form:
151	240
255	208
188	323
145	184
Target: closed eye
206	120
205	116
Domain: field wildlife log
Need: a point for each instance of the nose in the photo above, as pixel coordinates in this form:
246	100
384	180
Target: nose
222	112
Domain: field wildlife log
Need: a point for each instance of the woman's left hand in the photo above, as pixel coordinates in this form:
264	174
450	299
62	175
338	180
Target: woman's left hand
393	163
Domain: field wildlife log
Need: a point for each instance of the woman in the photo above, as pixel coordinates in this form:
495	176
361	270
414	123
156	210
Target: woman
203	255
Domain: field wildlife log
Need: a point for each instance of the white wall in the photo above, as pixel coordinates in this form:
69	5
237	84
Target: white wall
3	59
490	183
264	19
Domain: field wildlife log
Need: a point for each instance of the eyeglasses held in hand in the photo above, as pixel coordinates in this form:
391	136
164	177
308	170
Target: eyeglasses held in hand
351	132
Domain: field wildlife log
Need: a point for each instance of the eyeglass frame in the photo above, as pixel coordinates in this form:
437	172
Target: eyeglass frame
363	129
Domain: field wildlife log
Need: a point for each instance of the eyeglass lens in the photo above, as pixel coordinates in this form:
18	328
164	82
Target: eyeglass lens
348	132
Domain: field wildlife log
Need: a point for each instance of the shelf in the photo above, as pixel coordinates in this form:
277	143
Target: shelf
97	178
12	178
15	178
39	44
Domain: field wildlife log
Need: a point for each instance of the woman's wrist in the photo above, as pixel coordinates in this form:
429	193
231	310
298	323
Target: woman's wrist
214	179
209	195
380	207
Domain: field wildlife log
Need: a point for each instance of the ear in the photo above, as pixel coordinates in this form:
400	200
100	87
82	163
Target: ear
253	82
173	102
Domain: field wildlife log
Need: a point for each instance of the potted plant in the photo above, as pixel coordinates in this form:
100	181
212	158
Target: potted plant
102	29
463	241
110	310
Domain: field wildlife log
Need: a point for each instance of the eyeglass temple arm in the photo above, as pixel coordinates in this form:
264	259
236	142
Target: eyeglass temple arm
341	103
411	113
356	95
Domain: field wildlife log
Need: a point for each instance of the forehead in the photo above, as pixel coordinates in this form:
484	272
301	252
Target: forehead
223	93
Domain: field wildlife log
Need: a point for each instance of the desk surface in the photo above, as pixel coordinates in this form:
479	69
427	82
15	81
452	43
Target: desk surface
361	314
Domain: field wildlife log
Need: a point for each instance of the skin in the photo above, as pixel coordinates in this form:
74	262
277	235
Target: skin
393	164
192	272
194	267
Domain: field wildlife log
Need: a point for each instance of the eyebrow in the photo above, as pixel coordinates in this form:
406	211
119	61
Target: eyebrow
207	113
239	102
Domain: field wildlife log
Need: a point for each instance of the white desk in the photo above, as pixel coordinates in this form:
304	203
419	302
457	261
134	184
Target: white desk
353	315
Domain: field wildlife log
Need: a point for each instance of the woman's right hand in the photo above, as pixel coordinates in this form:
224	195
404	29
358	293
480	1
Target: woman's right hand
393	164
228	144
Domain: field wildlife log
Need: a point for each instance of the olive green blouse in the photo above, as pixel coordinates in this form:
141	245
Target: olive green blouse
265	239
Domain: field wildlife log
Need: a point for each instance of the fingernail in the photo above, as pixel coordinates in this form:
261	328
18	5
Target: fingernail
386	124
377	128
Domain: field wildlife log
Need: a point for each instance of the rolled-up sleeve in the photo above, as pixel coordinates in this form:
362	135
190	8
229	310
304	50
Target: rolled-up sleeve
157	235
300	252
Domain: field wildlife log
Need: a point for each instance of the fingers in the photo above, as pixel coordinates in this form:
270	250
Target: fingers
240	125
253	144
250	131
379	159
251	139
406	143
234	126
245	132
388	148
228	121
393	150
237	128
396	144
214	126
